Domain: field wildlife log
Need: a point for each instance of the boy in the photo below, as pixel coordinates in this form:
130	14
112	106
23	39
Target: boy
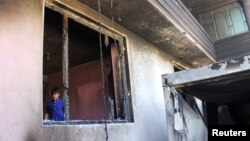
55	108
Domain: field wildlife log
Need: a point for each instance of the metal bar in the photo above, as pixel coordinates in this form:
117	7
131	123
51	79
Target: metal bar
102	72
229	23
204	106
65	67
214	25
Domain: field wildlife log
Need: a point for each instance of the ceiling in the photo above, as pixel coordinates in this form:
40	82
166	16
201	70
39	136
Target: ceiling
138	16
143	19
231	90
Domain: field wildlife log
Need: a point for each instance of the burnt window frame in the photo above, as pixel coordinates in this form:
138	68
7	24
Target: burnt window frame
122	47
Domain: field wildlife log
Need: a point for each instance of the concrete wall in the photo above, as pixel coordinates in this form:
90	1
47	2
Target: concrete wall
21	36
194	127
21	48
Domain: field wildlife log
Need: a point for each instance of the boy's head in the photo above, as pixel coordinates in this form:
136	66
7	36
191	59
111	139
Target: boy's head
55	93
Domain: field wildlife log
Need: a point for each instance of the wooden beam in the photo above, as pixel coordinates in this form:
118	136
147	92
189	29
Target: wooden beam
78	8
125	93
65	67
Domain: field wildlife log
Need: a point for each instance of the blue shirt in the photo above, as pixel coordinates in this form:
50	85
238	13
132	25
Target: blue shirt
55	110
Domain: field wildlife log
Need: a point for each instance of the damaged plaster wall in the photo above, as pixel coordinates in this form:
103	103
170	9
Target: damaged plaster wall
21	56
193	129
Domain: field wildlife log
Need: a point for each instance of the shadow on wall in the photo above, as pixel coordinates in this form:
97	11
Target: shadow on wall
30	136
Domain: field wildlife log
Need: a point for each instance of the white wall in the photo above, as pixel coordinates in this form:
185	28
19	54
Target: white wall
21	37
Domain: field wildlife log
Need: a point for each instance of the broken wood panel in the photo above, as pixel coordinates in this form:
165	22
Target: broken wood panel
126	110
116	76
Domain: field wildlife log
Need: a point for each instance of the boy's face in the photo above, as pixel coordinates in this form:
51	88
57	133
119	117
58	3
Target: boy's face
55	96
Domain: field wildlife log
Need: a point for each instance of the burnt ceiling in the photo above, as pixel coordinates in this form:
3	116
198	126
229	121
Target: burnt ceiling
143	19
222	91
140	17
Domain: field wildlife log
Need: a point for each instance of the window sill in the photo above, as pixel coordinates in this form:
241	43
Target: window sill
82	122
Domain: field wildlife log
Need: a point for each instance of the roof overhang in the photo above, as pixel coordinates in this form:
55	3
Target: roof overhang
166	24
221	82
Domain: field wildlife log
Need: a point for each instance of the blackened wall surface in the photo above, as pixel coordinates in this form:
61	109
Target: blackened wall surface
21	55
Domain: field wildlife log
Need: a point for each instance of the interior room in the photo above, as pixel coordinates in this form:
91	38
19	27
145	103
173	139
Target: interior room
85	77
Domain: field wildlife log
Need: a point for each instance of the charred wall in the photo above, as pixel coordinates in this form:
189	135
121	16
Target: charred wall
21	55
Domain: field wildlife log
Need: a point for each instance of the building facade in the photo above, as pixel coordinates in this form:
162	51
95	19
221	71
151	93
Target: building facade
152	39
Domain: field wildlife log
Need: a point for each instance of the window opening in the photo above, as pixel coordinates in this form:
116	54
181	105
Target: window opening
52	59
84	82
224	22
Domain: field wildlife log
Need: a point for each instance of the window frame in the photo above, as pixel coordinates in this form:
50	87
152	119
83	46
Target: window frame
107	31
228	17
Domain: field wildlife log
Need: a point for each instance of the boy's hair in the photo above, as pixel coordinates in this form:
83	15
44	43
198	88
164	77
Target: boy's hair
55	90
